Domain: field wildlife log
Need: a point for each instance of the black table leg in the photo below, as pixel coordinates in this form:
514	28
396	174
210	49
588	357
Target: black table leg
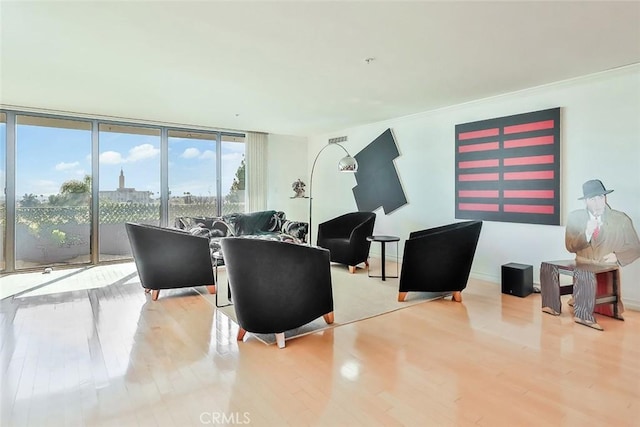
383	260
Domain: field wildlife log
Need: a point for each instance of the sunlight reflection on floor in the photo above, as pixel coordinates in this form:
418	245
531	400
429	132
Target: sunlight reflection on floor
67	279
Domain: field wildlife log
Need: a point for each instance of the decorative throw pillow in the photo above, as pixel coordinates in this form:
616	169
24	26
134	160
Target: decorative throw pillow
189	222
276	221
199	231
297	229
230	221
221	229
242	224
182	223
204	222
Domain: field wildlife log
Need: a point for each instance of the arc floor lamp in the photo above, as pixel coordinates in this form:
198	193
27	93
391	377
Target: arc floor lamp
346	164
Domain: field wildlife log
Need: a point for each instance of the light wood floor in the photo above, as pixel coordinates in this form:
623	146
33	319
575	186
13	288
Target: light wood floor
110	356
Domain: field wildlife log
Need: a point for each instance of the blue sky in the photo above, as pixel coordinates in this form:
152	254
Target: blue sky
47	157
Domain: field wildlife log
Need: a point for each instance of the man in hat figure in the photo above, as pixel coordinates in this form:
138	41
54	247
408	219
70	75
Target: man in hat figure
601	235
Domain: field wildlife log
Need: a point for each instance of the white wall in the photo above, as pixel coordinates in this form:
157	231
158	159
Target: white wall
287	162
600	137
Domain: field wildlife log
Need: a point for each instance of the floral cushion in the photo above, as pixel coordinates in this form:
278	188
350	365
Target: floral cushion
189	222
298	230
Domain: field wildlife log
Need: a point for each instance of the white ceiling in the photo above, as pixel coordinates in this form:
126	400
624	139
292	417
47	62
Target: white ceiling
298	68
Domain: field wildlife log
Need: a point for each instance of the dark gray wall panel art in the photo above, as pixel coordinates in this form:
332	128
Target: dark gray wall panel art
377	178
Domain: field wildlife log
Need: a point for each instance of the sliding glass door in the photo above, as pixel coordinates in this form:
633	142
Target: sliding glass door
206	177
71	184
53	189
192	174
129	184
233	174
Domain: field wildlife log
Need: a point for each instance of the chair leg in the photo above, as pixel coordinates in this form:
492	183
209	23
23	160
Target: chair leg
241	333
456	296
366	263
147	290
402	296
211	289
328	318
280	339
154	294
352	269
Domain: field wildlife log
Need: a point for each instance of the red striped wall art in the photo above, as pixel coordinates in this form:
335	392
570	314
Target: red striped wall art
508	168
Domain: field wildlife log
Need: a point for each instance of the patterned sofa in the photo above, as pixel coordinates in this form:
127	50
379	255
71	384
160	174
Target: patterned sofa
269	225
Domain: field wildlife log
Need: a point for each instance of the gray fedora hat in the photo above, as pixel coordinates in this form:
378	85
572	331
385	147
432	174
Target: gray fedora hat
593	187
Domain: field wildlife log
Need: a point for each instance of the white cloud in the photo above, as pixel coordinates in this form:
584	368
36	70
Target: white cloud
141	152
208	154
194	153
62	166
111	158
234	158
190	153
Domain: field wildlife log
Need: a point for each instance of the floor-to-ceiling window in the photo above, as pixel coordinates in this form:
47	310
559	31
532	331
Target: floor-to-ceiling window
72	182
233	174
53	189
129	184
3	186
192	174
206	177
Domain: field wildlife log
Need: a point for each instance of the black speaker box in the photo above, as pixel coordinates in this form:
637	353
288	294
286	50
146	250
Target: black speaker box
517	279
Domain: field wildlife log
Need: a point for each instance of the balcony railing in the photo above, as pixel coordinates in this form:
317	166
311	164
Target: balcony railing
48	235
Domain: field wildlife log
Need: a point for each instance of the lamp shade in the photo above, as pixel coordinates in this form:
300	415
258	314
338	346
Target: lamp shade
348	164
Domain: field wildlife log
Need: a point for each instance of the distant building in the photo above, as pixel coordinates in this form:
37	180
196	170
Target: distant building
126	195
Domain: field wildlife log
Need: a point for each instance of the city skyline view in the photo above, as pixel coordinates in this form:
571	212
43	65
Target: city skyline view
46	157
52	168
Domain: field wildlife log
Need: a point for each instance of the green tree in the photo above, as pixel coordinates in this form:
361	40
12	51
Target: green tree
238	184
74	192
29	200
75	186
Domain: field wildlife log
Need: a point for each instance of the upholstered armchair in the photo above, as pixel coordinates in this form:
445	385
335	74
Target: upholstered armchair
168	258
439	259
277	286
346	238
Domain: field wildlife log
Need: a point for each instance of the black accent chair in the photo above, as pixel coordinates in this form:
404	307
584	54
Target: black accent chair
439	259
346	238
277	286
169	258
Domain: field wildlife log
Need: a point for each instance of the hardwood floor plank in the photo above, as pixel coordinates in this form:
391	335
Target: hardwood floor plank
110	355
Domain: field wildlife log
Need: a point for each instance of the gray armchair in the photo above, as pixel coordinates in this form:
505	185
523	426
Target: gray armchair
169	258
439	259
277	286
346	238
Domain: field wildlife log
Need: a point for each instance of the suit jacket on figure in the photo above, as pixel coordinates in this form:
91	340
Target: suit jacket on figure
616	235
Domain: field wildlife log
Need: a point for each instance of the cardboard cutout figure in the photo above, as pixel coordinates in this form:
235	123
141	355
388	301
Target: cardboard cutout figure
598	234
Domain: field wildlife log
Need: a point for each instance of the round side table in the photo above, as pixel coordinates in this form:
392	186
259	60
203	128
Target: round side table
383	242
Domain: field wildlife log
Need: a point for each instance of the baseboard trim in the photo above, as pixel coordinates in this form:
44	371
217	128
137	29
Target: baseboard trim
629	304
485	277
